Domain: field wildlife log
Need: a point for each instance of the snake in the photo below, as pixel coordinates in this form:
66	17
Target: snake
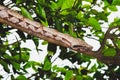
16	20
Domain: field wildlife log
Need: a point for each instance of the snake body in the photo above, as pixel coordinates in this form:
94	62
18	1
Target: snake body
12	17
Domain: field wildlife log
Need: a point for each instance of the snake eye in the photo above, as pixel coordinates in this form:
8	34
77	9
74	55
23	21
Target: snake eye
75	46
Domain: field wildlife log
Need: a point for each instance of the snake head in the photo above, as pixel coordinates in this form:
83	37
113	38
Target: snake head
81	45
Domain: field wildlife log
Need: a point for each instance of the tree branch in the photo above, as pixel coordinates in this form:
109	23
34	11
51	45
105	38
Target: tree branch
104	40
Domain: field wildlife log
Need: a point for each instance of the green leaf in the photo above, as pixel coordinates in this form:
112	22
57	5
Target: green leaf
25	56
40	11
85	58
79	78
94	68
65	12
24	49
58	24
116	2
68	75
30	64
102	16
16	57
87	77
41	1
44	43
66	7
71	31
79	15
87	6
16	65
116	22
118	43
106	3
36	41
47	64
5	66
94	23
26	13
60	3
113	8
21	77
110	52
45	23
19	1
89	0
6	56
61	70
54	6
27	65
58	69
42	14
67	4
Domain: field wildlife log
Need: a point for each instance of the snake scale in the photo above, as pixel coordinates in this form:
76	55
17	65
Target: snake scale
16	20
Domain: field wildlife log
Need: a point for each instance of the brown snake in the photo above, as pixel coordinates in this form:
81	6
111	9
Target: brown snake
12	18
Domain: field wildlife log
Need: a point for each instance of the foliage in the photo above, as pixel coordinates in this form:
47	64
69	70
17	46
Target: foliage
73	17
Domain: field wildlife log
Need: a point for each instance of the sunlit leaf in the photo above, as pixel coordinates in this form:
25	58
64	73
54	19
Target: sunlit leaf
89	0
40	11
113	8
87	77
61	70
54	6
67	4
116	2
26	13
32	64
79	15
44	42
116	22
94	23
106	3
47	64
87	6
21	77
69	75
60	3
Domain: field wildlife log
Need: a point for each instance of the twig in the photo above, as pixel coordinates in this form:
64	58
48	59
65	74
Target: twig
105	38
